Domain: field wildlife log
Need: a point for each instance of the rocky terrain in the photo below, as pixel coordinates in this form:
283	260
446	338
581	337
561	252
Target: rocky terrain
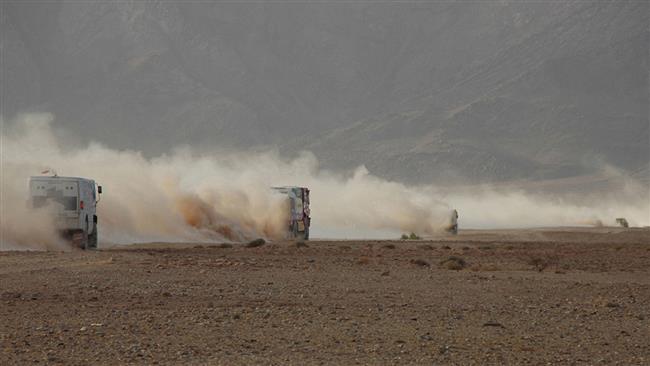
562	297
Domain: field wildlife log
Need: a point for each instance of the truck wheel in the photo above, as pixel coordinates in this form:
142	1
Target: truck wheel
294	231
83	244
92	238
84	237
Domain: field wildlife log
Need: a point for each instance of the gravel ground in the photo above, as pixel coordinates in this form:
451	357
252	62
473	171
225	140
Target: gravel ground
561	297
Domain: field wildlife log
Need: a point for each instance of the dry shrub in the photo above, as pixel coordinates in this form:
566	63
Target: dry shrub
446	247
256	243
389	246
426	247
414	236
411	236
453	263
224	246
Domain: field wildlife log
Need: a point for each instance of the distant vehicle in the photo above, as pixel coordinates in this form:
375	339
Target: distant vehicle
73	202
453	225
621	221
299	219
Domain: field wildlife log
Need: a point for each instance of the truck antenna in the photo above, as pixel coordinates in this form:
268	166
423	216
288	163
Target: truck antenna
49	170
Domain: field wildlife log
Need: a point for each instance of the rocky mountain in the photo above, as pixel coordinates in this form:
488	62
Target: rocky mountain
420	92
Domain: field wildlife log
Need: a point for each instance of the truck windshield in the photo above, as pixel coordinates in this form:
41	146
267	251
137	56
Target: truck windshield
69	203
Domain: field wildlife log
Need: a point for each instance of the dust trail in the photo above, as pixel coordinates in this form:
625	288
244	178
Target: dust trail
185	196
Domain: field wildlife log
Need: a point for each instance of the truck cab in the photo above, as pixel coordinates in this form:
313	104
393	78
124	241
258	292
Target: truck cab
299	215
73	203
453	223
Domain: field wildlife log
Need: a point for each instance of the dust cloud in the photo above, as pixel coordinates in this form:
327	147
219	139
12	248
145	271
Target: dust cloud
190	197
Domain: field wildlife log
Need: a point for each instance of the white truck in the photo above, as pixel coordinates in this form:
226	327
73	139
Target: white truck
299	215
73	202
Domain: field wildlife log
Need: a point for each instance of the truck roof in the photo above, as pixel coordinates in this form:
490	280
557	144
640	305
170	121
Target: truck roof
55	177
288	187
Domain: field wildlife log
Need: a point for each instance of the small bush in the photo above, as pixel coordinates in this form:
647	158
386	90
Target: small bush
256	243
411	236
453	263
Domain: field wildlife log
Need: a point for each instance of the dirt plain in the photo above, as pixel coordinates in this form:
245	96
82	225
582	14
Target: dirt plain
538	297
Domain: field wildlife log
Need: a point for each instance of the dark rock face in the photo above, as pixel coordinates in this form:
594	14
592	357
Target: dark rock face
487	91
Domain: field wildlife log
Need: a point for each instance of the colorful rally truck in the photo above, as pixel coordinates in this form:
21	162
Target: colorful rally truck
299	219
73	202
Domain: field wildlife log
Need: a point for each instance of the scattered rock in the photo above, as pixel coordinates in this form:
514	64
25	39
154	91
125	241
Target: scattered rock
301	244
389	246
446	247
492	323
256	243
420	262
10	295
224	246
385	273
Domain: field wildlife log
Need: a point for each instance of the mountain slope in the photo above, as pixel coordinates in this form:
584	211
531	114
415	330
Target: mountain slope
423	92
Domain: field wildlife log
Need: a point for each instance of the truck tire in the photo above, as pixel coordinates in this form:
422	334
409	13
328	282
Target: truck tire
84	237
294	231
92	238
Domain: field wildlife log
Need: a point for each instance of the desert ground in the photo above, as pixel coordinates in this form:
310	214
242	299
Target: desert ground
545	296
